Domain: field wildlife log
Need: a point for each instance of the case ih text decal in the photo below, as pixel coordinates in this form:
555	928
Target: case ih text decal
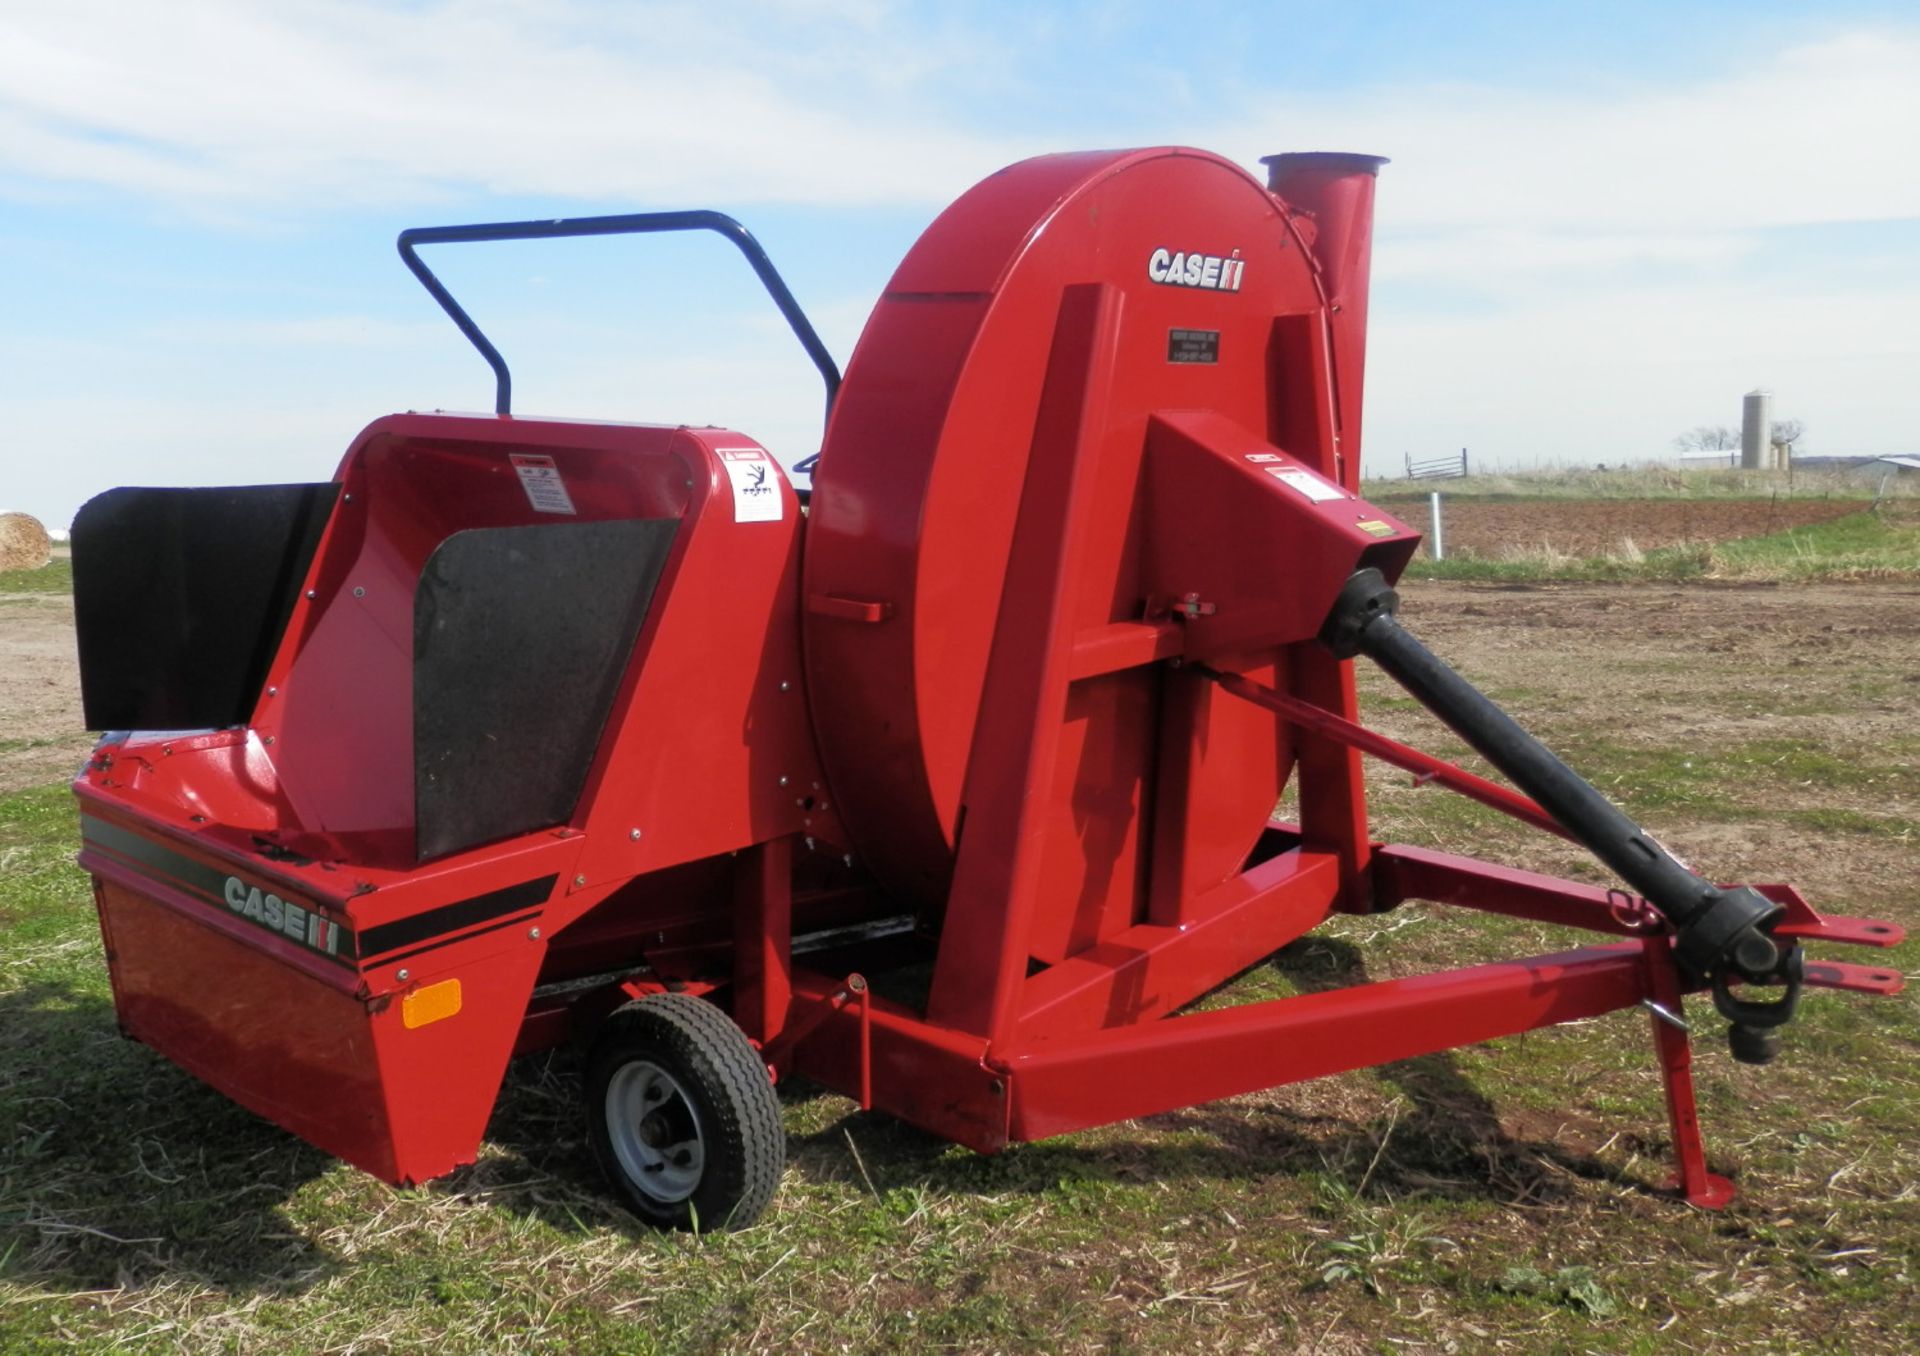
1211	271
291	920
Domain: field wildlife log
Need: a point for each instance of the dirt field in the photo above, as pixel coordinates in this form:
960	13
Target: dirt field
1707	705
41	736
1587	527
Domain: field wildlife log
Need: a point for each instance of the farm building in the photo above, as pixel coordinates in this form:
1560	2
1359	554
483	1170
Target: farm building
1881	466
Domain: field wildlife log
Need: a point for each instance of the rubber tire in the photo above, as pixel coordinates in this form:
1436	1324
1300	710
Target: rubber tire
725	1080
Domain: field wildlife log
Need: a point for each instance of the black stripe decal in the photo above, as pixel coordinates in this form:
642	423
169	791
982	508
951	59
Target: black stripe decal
182	870
439	942
452	917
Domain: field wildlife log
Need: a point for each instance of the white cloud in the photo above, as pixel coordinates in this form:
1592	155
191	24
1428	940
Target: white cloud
223	102
1623	256
1825	132
1611	375
1497	257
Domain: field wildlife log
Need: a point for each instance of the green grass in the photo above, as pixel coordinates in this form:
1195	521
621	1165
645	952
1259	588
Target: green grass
1501	1196
1866	545
1860	545
56	576
1641	482
1431	1201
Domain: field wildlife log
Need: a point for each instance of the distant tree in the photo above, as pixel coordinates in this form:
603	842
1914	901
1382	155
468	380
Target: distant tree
1787	432
1708	438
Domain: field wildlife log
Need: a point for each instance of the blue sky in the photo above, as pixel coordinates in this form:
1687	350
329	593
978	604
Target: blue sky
1601	226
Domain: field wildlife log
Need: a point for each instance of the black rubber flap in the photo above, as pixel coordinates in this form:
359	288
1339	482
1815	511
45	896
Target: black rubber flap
520	638
180	598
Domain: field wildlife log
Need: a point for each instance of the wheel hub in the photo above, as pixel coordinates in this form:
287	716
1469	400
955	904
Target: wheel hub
655	1132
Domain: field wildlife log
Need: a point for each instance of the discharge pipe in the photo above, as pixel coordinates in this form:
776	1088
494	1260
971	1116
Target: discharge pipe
1719	934
1329	197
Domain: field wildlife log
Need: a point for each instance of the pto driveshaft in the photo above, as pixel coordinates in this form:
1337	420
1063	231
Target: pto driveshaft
1720	934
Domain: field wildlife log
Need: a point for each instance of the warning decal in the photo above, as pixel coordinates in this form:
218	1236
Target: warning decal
756	485
1314	488
540	478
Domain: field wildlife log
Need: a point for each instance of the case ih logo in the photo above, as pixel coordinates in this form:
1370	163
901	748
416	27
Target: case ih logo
1210	271
303	925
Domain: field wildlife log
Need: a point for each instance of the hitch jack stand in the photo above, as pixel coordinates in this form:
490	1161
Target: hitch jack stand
1673	1046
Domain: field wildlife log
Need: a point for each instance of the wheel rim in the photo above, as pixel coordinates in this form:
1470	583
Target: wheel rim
655	1132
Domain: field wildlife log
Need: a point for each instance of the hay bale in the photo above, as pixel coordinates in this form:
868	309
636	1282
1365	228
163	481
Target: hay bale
24	544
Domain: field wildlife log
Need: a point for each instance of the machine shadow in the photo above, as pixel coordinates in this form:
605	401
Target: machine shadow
1445	1139
118	1170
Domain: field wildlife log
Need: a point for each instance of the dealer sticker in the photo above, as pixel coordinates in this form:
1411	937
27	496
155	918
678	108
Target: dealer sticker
540	478
1314	488
756	485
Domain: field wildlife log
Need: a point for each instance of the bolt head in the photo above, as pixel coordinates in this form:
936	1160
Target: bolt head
533	934
634	835
312	594
359	592
404	975
578	881
785	686
783	781
273	692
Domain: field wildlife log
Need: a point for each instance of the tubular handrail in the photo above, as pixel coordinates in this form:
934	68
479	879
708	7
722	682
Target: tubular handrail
631	223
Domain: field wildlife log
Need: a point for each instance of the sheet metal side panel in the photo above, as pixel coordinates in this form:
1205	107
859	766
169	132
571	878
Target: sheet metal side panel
279	1042
709	748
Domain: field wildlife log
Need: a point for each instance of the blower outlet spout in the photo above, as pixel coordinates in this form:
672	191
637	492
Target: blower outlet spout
1334	191
1328	199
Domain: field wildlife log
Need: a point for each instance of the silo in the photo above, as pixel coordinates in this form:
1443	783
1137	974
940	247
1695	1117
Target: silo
1756	427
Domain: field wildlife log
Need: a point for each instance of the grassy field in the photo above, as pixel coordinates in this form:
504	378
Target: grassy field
56	576
1503	1197
1647	482
1873	544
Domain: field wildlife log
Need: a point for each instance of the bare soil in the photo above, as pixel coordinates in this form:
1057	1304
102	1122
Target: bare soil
1590	527
1765	711
42	735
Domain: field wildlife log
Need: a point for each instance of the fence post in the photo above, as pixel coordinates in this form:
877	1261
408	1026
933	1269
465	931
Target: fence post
1439	543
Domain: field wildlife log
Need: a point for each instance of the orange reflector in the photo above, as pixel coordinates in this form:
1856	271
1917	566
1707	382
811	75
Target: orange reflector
431	1003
